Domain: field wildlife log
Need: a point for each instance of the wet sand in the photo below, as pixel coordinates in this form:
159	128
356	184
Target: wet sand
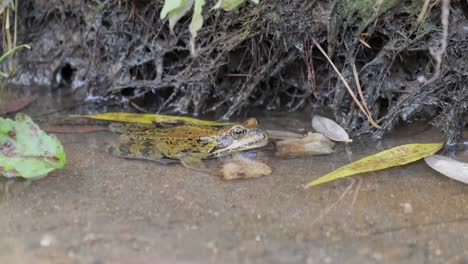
103	209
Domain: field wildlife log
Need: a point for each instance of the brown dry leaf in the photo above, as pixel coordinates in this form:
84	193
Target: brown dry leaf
17	104
241	168
74	129
329	128
312	144
451	168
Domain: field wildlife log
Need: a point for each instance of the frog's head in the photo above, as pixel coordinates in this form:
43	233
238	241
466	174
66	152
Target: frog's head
240	137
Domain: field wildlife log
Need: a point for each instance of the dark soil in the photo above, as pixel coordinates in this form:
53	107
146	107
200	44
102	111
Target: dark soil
256	56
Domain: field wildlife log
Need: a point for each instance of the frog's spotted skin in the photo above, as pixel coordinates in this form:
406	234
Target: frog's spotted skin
188	143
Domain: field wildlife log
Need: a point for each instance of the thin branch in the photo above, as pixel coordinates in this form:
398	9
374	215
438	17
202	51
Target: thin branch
345	83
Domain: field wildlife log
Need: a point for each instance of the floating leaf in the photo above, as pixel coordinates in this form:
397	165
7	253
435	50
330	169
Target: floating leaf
177	14
171	6
451	168
152	118
26	151
329	128
388	158
228	5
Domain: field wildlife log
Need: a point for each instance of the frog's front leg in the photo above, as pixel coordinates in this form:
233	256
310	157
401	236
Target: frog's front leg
194	163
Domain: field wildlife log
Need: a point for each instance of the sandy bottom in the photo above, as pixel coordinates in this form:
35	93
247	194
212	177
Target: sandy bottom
103	209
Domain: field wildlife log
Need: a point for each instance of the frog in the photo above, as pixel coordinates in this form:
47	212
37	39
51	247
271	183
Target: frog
188	144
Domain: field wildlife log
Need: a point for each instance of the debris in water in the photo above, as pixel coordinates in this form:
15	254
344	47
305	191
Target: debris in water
242	168
310	145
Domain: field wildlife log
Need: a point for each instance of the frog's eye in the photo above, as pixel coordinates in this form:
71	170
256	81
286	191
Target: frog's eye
237	132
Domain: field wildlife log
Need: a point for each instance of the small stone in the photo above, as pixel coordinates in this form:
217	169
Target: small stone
47	240
407	208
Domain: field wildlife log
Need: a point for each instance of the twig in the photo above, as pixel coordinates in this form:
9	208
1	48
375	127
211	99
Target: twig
309	62
423	11
329	208
345	83
359	88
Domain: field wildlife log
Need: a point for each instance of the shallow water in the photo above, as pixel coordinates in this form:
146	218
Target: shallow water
103	209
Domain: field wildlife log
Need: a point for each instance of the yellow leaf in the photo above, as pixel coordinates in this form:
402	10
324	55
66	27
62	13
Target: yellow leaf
388	158
150	118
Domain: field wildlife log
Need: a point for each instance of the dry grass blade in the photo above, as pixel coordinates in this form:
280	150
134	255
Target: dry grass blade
363	42
361	94
345	83
423	11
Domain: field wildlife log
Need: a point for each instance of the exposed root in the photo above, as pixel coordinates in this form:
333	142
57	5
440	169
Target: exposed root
259	56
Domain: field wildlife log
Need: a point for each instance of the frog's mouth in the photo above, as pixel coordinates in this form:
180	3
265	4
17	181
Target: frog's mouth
245	143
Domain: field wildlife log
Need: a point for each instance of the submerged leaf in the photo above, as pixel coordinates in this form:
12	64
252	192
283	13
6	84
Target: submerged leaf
388	158
26	151
151	118
451	168
329	128
170	6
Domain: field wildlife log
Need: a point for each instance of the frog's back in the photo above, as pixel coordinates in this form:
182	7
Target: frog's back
175	142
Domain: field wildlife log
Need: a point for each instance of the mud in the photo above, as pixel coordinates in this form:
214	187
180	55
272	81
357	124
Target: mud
121	53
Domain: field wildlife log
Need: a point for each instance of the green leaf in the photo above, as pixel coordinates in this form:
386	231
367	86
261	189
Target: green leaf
11	51
197	18
170	6
26	151
177	14
255	1
228	5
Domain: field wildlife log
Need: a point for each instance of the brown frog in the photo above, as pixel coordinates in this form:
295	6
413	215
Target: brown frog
187	143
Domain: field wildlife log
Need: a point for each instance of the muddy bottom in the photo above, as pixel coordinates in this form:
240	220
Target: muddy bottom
103	209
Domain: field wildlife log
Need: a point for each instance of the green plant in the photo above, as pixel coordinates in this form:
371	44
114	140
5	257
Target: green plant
176	9
8	10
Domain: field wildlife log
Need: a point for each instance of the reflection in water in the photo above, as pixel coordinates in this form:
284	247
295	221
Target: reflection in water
10	187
